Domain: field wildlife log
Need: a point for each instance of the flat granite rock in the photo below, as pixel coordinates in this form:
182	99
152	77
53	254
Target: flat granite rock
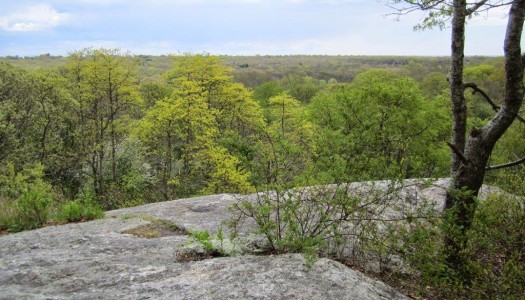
199	213
102	259
97	260
123	257
128	256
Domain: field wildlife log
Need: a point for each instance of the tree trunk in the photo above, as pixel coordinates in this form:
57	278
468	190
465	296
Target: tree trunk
457	96
470	160
112	113
168	169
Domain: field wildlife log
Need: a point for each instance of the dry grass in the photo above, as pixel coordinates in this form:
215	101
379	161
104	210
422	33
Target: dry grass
156	229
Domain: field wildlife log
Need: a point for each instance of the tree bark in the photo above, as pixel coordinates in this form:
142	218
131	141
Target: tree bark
468	173
457	95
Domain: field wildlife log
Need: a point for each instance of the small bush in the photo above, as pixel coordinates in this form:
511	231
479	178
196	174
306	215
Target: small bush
339	221
78	211
28	202
7	213
31	210
203	237
497	248
495	253
214	246
26	198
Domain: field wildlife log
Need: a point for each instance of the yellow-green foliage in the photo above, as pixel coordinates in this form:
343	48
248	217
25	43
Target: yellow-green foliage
285	145
28	202
192	134
224	176
508	149
103	84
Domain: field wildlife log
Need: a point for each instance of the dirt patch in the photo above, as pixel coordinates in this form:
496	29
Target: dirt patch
194	256
156	229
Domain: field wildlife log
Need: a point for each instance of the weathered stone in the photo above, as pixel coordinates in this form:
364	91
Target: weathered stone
127	256
199	213
99	260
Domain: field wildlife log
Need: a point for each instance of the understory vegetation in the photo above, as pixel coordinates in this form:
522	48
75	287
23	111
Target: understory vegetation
96	133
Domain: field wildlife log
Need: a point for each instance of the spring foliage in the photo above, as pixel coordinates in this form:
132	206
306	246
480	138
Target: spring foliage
91	136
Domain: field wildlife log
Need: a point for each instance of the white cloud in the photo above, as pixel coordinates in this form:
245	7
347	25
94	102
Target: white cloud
33	18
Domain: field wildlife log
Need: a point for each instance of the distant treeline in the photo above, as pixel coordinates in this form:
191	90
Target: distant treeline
253	71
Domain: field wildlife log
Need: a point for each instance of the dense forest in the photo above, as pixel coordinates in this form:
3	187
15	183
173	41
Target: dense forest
101	129
128	128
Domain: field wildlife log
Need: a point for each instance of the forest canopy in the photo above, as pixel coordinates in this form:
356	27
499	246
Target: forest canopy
98	127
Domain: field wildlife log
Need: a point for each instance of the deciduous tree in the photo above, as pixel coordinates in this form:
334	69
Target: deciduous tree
377	127
200	138
470	153
103	83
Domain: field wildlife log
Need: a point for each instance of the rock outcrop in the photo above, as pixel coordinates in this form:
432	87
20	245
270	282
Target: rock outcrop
136	253
112	259
103	259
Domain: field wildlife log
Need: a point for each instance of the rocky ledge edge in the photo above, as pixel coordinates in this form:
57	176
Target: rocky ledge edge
128	255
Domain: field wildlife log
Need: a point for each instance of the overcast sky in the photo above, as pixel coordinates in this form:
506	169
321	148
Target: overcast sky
234	27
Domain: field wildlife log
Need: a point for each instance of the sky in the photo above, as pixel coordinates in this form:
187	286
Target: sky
231	27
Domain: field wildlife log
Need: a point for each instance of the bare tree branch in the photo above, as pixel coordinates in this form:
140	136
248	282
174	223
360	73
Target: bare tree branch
486	5
404	7
507	165
458	153
414	6
494	106
475	7
476	89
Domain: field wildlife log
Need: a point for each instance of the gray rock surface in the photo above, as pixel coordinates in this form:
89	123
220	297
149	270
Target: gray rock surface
199	213
103	260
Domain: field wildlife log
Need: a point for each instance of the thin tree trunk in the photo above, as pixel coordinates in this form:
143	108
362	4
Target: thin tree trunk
457	96
468	170
113	152
112	113
168	164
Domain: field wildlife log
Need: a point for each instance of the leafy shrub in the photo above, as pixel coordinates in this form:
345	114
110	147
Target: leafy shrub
203	237
77	211
497	248
26	197
7	213
28	202
340	221
495	253
32	209
214	246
